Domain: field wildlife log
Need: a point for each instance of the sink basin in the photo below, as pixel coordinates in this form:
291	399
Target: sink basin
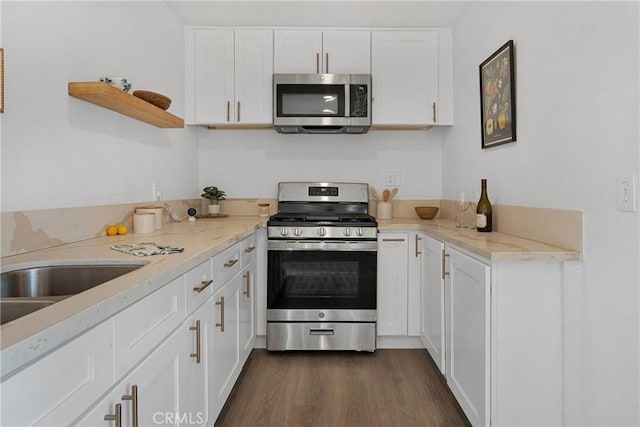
59	280
14	308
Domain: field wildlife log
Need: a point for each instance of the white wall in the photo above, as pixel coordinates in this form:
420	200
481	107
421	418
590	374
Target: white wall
59	151
577	85
251	163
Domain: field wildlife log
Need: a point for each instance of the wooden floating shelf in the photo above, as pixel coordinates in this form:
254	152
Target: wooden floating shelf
117	100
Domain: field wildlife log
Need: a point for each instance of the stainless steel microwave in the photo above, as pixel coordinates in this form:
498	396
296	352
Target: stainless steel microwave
322	103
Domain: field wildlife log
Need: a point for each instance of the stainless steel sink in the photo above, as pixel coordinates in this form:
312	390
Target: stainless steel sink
30	289
56	280
13	308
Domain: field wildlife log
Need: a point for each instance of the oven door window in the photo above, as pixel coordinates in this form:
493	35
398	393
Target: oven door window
304	100
322	279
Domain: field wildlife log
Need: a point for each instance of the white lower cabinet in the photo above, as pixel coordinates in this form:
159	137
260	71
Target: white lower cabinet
392	283
53	390
149	395
432	298
468	334
225	349
247	313
195	367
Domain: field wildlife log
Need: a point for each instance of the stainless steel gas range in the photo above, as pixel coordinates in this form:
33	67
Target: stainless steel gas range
322	267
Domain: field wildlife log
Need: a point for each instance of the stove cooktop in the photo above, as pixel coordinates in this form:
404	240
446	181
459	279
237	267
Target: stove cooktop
304	219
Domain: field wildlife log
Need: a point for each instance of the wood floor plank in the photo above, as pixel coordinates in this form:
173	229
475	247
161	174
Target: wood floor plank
384	388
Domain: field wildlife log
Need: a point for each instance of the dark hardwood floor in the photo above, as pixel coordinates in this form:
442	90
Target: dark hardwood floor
384	388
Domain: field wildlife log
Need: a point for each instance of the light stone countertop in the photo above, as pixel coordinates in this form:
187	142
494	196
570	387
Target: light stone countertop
493	246
31	336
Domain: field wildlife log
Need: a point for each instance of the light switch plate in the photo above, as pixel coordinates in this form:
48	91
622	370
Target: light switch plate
627	193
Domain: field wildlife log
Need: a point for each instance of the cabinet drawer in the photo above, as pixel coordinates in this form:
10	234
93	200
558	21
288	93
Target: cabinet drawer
57	388
199	286
227	264
141	327
249	249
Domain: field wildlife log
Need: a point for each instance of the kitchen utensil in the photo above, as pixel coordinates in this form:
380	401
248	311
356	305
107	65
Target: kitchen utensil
426	212
393	193
375	194
154	98
385	195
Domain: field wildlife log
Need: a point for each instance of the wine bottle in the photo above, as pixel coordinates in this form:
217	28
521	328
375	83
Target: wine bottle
484	211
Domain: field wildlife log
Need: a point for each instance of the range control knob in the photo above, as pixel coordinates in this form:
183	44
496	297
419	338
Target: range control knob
284	231
347	232
297	232
322	231
359	232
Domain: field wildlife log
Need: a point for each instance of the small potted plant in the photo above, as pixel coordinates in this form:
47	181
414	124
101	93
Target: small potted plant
214	195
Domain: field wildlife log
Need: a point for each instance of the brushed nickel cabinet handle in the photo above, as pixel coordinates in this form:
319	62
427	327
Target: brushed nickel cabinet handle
250	249
317	63
444	272
228	111
326	61
117	417
230	263
238	116
393	240
133	397
247	290
221	304
418	238
204	285
197	353
434	112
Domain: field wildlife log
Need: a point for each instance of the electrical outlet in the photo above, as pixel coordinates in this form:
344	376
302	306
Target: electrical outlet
392	178
627	193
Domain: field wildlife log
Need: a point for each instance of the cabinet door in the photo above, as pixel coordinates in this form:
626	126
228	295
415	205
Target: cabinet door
247	326
214	72
392	283
145	324
405	84
253	77
194	365
297	51
156	393
433	308
346	52
261	282
57	388
414	284
224	342
468	334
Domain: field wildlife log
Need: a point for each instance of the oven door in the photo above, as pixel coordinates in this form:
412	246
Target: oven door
321	281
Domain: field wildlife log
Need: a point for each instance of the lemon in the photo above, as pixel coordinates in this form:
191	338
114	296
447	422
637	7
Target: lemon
112	230
122	229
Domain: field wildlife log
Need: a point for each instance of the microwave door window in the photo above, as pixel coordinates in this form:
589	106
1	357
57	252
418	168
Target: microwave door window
311	101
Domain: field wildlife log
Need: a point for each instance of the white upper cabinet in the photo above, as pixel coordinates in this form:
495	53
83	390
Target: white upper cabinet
229	76
334	52
407	88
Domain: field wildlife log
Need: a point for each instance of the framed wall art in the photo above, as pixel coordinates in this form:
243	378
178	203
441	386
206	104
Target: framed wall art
498	97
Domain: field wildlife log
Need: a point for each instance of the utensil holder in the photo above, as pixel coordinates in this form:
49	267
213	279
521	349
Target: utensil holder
384	210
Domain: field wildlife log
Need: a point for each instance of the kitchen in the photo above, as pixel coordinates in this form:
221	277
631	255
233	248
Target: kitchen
577	63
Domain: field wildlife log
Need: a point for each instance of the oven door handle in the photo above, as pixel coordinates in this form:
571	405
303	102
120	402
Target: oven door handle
314	331
302	245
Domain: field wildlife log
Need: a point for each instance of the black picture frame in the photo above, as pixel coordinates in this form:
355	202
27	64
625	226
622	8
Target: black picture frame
498	97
